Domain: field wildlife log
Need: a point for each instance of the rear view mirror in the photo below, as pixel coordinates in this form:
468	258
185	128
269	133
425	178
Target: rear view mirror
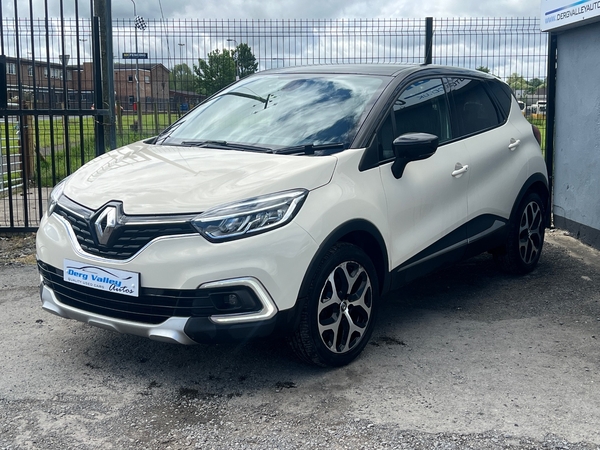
412	147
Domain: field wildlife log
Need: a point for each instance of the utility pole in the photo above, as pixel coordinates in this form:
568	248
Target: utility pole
137	75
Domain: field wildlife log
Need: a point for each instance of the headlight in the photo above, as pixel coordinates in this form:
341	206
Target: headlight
55	195
251	216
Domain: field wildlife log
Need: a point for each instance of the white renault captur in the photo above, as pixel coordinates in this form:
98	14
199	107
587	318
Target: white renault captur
289	202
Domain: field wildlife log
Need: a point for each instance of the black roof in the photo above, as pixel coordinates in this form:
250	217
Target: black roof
391	70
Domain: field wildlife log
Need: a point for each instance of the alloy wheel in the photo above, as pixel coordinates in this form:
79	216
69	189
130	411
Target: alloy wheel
531	235
344	309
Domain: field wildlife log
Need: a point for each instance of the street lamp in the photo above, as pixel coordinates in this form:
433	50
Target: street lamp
137	73
237	75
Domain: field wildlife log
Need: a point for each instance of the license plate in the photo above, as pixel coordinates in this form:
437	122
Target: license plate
102	278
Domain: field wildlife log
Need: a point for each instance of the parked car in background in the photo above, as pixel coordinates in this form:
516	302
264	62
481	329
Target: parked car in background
288	203
539	107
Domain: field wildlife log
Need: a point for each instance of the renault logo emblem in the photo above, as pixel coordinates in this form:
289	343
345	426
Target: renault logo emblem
105	224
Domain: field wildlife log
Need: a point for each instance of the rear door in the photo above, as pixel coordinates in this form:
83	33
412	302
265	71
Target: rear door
497	168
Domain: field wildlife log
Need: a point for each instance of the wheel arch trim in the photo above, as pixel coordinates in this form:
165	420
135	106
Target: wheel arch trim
358	232
535	181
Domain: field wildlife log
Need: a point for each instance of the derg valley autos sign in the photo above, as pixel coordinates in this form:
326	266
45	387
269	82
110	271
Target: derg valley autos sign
568	13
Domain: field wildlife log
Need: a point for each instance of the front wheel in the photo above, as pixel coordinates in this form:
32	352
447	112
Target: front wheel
338	317
525	238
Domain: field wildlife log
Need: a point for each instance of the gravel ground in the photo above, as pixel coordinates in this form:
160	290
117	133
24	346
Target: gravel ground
467	358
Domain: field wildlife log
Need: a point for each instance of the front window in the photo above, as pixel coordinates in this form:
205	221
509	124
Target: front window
420	108
276	111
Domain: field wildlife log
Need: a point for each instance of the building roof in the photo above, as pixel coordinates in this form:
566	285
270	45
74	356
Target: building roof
142	66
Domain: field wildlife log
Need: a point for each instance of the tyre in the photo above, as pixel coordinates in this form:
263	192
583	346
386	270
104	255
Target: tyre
525	239
339	314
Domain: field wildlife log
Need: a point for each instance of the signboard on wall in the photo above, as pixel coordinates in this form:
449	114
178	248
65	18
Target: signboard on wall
558	14
141	55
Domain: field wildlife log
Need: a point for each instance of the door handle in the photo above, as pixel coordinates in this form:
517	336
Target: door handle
514	143
459	169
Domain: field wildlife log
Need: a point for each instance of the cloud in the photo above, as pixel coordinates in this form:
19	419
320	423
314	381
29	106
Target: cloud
291	9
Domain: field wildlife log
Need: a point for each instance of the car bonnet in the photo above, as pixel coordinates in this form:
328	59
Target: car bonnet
151	179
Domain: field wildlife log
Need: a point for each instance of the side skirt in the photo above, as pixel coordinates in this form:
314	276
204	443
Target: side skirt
481	234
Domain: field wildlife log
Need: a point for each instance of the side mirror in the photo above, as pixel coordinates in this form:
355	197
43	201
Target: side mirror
412	147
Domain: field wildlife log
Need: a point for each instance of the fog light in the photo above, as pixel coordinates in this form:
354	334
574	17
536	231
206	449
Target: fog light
232	300
238	299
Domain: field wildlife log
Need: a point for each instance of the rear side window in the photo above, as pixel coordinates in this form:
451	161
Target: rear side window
474	108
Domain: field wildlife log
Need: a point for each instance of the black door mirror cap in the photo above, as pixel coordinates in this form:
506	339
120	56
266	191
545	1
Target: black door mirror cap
412	147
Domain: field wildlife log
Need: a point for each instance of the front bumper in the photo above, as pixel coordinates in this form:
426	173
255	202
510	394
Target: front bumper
181	330
177	276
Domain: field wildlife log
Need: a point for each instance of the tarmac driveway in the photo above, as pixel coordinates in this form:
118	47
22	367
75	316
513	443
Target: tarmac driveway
465	358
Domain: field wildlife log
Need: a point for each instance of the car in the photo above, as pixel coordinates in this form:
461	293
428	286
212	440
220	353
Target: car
286	205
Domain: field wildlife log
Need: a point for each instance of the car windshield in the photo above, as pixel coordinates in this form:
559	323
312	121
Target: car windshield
277	111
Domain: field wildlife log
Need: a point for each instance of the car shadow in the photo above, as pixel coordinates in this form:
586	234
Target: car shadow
232	369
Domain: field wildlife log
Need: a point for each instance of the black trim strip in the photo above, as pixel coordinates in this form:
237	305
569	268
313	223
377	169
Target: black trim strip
478	235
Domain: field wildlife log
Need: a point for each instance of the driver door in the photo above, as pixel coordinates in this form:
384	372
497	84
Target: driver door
427	205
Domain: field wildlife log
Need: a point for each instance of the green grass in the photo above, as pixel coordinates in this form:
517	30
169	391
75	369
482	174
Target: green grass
65	164
541	124
49	137
48	133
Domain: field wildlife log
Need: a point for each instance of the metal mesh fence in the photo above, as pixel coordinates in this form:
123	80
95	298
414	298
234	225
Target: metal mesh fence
50	76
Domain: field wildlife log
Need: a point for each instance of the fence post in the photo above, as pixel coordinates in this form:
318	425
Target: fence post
103	10
155	106
428	40
27	145
119	118
550	116
98	119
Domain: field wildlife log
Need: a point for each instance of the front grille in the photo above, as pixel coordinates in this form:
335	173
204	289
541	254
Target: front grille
153	306
127	239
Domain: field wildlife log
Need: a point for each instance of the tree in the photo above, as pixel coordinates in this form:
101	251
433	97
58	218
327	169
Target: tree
182	78
215	73
535	84
245	60
517	82
483	69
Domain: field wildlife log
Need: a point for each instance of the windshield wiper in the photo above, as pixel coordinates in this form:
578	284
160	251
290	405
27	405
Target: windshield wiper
167	132
226	145
250	96
310	149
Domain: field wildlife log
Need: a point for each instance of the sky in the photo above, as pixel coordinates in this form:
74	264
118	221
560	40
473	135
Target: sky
174	43
291	9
